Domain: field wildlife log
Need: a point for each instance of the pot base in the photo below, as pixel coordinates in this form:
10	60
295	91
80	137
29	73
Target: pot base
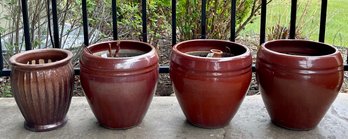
206	127
291	128
121	128
48	127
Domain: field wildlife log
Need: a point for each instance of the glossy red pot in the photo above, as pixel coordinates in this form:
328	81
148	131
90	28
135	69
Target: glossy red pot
42	84
298	81
119	88
210	89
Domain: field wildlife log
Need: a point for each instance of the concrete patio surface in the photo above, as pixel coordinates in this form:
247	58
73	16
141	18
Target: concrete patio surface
165	119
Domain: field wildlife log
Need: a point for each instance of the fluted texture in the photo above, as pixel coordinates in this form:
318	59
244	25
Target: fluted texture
42	83
43	96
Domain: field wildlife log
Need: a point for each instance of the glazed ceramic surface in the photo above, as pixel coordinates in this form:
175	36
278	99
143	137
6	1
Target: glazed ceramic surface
119	89
42	84
210	89
298	81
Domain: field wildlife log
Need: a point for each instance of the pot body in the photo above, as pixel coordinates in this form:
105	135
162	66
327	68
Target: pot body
119	90
210	90
298	81
43	91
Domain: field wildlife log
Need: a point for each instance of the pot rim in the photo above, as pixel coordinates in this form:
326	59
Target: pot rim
243	55
263	46
120	65
89	55
14	62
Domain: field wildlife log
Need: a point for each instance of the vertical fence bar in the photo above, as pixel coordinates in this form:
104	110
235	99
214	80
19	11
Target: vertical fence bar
173	22
85	23
204	17
114	19
143	18
26	25
293	19
1	58
322	20
233	20
55	25
263	22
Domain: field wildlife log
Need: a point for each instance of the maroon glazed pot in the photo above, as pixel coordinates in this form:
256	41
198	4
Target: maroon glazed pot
119	87
42	84
210	79
299	80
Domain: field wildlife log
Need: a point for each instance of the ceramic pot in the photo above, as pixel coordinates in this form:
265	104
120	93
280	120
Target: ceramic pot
298	81
119	85
42	84
210	79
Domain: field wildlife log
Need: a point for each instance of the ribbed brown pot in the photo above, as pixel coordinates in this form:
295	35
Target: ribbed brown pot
42	91
210	89
119	89
298	80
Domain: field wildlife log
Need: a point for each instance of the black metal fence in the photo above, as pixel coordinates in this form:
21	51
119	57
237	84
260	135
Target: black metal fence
164	68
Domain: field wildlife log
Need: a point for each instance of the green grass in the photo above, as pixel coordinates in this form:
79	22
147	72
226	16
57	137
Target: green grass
278	12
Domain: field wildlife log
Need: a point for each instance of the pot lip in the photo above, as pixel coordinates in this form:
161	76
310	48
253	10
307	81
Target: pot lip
13	59
243	55
89	55
263	46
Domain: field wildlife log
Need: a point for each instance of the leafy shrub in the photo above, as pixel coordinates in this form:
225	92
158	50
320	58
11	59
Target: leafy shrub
218	17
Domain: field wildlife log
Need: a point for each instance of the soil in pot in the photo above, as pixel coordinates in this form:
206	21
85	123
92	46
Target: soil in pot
211	53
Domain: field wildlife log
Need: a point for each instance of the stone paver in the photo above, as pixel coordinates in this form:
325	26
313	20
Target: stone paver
166	120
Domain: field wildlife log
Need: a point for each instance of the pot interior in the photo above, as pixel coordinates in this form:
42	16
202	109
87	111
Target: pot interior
300	48
43	57
120	53
204	48
206	53
119	49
